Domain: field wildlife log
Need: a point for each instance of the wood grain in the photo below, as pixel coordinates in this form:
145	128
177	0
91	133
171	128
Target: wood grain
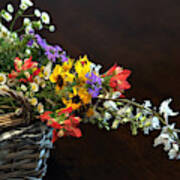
143	36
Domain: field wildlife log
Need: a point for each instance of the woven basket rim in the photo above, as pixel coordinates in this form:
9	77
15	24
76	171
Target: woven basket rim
13	119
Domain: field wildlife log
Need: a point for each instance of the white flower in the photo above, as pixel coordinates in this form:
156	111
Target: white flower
116	95
170	128
10	8
147	104
4	32
155	123
95	67
23	87
47	70
27	21
6	16
23	7
37	13
52	28
111	105
28	29
107	116
28	52
173	152
151	124
3	78
165	110
45	18
163	139
33	101
25	4
167	137
40	108
34	87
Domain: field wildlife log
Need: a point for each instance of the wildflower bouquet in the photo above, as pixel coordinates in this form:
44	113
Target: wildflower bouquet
62	91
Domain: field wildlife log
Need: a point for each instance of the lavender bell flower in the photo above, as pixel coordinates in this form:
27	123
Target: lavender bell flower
95	83
41	41
51	53
64	57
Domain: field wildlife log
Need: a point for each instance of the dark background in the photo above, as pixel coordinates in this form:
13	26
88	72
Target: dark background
143	36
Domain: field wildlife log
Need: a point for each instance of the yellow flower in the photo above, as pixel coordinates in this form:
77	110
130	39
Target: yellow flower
78	98
41	74
60	77
90	112
67	65
82	67
84	95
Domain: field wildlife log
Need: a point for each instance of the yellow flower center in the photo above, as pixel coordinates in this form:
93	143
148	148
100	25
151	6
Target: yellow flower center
76	99
60	81
1	79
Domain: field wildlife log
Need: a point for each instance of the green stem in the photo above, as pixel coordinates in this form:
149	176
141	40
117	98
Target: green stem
14	21
20	29
26	15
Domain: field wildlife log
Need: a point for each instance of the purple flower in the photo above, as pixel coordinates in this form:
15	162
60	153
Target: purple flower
41	41
52	53
64	57
93	79
30	43
94	92
58	48
95	83
31	31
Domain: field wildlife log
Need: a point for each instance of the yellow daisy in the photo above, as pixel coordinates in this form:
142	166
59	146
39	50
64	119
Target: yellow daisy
78	98
60	77
82	67
67	65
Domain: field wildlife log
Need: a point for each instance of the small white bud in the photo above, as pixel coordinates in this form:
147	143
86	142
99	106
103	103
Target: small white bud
10	8
6	16
52	28
27	21
28	51
37	13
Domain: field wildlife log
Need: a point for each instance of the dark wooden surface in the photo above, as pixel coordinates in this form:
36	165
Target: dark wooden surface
143	36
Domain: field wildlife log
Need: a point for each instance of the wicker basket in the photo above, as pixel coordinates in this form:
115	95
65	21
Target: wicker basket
24	145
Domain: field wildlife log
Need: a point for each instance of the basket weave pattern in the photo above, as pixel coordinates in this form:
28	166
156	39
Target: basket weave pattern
24	145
